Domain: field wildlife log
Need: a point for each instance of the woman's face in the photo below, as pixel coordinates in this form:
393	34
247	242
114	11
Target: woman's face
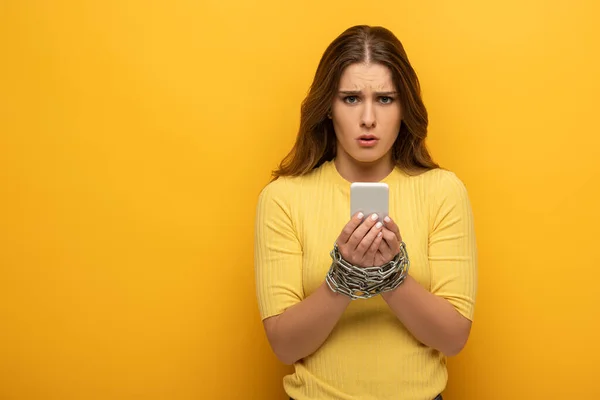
366	114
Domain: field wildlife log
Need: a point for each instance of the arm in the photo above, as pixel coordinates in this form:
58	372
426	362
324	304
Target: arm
441	318
296	326
430	318
302	328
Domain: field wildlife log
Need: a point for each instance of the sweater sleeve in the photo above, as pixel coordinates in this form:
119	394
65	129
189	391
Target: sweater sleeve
277	252
452	245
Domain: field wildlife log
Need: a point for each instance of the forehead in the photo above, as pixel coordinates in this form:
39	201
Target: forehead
364	76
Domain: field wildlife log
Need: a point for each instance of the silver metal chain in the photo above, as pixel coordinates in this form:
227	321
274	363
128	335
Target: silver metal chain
366	282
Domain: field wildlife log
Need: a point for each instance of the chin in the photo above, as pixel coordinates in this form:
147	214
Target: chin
367	157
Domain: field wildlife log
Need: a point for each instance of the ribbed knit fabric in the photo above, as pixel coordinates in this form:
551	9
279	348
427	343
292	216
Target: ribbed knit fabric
369	354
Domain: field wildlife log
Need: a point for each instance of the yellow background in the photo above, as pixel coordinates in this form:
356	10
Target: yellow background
136	135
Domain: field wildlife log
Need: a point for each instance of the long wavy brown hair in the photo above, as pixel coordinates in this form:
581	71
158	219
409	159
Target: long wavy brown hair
316	141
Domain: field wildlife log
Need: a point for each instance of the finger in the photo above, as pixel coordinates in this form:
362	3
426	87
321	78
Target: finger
385	250
391	225
360	233
390	243
365	243
390	237
380	259
370	255
350	228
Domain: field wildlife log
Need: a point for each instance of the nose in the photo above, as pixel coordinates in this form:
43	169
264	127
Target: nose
368	116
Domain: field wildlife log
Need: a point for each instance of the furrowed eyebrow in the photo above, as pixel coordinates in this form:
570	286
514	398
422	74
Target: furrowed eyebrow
358	92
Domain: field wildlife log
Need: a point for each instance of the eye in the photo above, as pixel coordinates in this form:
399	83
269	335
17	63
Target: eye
351	99
386	99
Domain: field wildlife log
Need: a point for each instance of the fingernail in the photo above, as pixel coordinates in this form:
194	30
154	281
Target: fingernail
379	234
374	217
378	225
360	215
387	219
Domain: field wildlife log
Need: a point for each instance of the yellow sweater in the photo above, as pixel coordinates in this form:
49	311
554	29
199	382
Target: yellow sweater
369	354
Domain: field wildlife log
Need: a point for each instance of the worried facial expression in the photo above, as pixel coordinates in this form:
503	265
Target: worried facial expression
366	114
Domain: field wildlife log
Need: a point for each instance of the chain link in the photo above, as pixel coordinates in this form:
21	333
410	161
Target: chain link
363	283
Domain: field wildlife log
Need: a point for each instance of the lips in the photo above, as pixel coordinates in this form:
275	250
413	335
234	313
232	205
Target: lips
367	140
367	137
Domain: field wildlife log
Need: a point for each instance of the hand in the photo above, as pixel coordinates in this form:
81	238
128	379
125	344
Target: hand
390	245
359	243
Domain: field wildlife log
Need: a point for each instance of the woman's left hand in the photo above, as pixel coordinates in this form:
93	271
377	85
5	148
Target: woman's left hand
390	245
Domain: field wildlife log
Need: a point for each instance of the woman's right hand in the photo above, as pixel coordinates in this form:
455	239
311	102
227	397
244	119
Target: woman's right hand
358	243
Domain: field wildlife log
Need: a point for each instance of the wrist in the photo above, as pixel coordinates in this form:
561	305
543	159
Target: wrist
355	282
338	299
397	291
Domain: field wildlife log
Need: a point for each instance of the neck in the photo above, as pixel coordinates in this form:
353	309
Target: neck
357	171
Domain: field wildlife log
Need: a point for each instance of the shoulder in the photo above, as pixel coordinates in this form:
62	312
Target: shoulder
443	190
289	185
284	199
277	191
283	190
283	185
447	194
443	183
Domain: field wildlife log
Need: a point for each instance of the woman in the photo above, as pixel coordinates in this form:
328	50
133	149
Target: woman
364	120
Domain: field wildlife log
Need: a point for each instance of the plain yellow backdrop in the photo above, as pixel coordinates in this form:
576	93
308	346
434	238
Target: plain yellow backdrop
136	135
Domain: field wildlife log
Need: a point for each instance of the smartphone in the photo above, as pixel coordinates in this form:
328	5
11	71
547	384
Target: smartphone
369	198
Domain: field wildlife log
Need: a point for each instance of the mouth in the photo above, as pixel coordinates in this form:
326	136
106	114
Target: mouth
367	140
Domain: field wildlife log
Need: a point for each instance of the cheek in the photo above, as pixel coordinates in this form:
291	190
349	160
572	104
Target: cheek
343	122
392	120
